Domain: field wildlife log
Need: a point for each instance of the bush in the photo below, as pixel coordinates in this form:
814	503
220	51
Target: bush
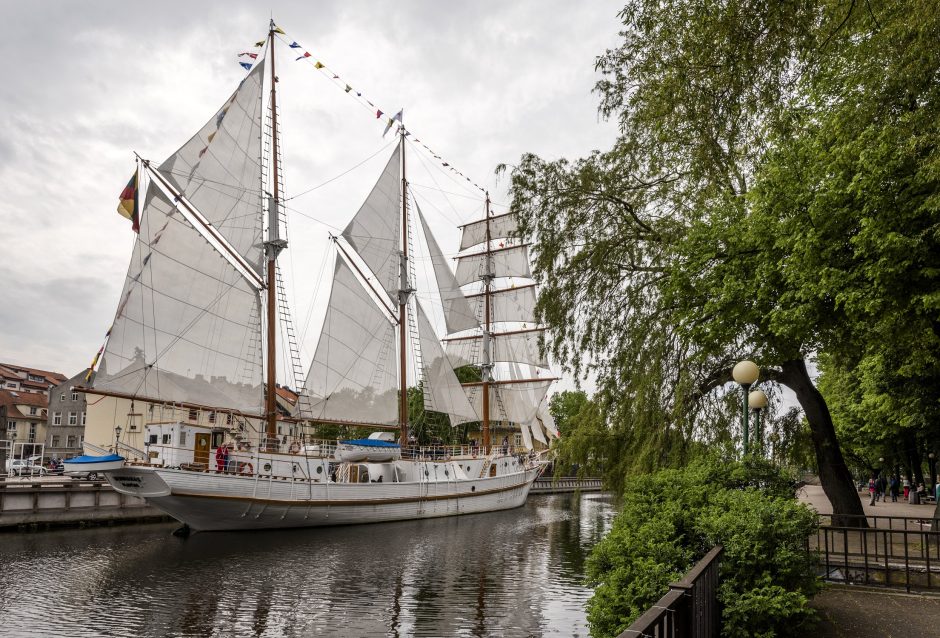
672	518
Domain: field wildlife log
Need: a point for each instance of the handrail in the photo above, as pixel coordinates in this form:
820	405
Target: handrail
689	609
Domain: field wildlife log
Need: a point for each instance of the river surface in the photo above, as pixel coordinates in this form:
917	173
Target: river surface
513	573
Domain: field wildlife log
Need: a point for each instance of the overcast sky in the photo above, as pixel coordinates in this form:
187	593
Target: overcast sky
88	84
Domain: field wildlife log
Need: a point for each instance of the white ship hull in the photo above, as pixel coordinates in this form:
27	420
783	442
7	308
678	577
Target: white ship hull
208	501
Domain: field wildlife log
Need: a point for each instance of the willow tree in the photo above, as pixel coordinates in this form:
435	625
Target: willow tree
707	233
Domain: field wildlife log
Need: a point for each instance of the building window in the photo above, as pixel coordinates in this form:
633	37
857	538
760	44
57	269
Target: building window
70	441
73	418
166	439
182	438
33	377
517	440
32	410
212	417
152	439
11	426
32	432
62	397
11	384
83	418
56	418
55	440
75	396
228	419
193	414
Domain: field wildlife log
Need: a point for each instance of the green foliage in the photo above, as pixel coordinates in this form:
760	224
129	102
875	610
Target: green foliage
672	518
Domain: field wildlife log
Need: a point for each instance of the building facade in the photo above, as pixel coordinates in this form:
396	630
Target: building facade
22	379
66	419
23	418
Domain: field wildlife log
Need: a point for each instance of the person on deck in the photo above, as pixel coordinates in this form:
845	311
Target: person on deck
221	458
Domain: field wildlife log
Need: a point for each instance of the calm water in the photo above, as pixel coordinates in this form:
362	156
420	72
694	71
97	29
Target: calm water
515	573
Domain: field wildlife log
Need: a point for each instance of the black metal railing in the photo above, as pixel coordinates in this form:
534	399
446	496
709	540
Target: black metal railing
689	609
894	552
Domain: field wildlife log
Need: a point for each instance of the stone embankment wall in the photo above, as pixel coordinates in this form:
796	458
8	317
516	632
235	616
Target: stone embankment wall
49	502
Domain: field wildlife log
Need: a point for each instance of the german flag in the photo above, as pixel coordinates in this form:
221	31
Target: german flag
128	207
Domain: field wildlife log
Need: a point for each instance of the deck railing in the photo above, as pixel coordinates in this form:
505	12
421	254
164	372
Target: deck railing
689	609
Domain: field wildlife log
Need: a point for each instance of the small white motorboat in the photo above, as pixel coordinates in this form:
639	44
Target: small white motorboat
89	465
369	449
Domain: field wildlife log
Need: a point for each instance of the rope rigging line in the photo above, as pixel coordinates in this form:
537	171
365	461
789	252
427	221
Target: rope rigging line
367	104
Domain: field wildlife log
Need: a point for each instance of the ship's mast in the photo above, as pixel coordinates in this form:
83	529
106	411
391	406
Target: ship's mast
403	293
487	365
273	246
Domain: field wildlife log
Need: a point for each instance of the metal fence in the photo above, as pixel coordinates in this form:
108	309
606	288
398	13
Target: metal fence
690	607
894	552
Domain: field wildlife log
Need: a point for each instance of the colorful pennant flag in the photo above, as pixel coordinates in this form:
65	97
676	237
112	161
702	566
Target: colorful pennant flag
378	114
305	55
279	30
392	120
246	66
348	88
128	206
259	43
253	56
294	45
319	65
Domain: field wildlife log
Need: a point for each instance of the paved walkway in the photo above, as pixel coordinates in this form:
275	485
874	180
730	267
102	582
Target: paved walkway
858	612
814	496
853	612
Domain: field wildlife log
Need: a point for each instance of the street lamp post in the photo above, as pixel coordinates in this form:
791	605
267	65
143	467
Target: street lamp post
757	401
745	373
117	438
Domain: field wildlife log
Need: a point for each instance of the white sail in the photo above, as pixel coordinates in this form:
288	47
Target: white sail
512	402
521	346
187	328
545	419
219	170
505	262
375	230
501	227
354	374
445	392
458	315
510	304
526	436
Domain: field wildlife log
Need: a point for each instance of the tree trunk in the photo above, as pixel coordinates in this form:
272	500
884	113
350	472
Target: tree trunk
914	460
834	475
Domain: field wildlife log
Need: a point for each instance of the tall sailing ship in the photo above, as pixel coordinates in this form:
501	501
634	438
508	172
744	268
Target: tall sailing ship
197	329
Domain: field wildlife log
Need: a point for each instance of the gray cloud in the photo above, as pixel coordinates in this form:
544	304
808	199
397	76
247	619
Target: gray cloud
93	82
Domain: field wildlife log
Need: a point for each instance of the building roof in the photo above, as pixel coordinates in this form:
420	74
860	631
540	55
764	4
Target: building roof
287	394
52	378
9	399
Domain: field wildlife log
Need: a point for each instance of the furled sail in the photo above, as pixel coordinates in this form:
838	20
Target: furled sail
521	346
353	376
501	227
219	170
375	230
188	327
504	262
510	304
458	315
445	392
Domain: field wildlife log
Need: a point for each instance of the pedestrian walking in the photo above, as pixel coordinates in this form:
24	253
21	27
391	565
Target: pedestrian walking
893	487
907	488
871	490
882	487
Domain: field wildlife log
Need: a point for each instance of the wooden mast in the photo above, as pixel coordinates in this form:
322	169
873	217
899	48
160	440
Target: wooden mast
487	365
273	246
403	300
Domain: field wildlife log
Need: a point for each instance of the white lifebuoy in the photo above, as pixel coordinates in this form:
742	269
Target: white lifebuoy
294	448
246	468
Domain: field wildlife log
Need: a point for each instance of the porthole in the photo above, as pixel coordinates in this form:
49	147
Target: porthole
468	468
426	473
319	469
446	473
267	467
